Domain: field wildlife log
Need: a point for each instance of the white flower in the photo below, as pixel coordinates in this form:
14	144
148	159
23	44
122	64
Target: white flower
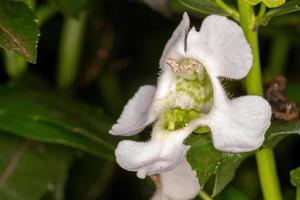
189	95
180	183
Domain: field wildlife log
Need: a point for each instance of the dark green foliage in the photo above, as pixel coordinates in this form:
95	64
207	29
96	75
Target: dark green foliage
31	170
51	118
19	30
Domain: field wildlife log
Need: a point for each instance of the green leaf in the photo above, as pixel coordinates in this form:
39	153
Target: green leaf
30	170
203	6
279	130
19	30
295	177
211	163
273	3
47	117
226	171
289	7
253	2
232	193
70	7
208	161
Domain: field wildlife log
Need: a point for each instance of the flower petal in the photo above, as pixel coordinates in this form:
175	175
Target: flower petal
175	47
163	152
221	47
136	114
180	183
166	84
240	124
159	195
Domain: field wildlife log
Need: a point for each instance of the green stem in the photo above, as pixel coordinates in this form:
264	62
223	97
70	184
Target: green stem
298	193
268	174
265	158
44	12
278	56
231	11
69	51
262	10
15	65
253	80
204	196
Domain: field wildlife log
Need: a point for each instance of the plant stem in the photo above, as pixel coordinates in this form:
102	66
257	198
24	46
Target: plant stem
203	195
231	11
69	51
15	65
268	174
262	10
265	157
253	80
278	56
44	12
298	193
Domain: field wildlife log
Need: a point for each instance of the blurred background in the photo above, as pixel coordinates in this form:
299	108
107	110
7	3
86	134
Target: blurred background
95	56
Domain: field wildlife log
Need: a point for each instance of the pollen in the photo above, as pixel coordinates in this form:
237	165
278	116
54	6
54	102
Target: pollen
185	66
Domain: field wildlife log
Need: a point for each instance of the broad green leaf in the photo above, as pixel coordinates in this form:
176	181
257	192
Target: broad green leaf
208	161
19	30
273	3
226	171
288	7
51	118
295	177
279	130
203	6
70	7
253	2
233	194
30	170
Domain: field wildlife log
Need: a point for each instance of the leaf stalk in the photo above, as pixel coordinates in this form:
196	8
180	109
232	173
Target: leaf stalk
265	157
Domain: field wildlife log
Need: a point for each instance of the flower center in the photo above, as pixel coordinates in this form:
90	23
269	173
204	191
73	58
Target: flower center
192	96
185	67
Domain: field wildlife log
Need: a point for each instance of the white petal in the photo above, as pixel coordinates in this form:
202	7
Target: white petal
240	124
159	195
175	47
137	114
163	152
166	84
221	47
180	183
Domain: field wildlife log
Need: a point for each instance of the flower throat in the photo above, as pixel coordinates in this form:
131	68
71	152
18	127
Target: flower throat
192	97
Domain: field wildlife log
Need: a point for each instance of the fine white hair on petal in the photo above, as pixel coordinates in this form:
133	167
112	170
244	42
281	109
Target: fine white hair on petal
175	47
180	183
163	152
137	114
166	84
221	47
